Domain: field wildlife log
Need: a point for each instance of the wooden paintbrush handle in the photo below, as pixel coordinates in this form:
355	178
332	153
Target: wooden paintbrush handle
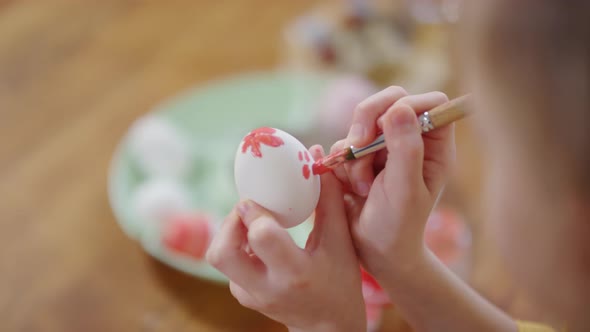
444	114
437	117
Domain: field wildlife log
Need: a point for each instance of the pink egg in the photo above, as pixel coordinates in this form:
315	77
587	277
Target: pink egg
188	234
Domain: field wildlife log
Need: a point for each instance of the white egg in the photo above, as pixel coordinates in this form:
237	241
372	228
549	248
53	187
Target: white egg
159	148
158	199
274	169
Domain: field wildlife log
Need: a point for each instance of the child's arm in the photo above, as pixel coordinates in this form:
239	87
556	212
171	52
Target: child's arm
316	289
388	225
432	298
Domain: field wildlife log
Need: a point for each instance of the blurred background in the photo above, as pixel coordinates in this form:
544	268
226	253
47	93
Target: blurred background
85	86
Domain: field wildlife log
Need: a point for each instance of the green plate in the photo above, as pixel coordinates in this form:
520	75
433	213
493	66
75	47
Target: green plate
215	117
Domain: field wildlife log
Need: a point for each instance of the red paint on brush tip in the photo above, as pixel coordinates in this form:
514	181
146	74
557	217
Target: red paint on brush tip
326	164
318	168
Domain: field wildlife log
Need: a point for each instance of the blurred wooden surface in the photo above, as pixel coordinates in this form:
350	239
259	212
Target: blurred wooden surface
73	76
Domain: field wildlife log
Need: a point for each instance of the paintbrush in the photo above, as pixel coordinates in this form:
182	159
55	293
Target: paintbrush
437	117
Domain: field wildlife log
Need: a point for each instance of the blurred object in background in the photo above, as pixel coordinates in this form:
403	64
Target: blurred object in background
159	148
434	11
448	237
336	104
189	234
378	40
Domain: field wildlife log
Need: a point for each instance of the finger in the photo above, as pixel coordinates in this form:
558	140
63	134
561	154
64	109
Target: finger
340	171
331	225
405	150
242	296
439	145
363	130
227	255
313	239
421	103
316	151
361	174
439	158
269	241
365	115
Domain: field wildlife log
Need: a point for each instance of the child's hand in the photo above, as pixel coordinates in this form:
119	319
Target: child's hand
388	226
313	289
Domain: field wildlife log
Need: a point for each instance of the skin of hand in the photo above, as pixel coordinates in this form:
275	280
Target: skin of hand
313	289
393	191
390	197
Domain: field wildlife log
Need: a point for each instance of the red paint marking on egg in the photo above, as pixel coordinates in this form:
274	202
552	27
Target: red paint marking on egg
300	156
306	156
256	137
306	171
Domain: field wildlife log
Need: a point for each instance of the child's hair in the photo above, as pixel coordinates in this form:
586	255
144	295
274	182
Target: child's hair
536	55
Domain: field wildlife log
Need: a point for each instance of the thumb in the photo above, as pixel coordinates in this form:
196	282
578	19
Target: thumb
269	241
405	147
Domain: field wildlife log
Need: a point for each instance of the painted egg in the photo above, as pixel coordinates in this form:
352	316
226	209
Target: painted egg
188	234
274	169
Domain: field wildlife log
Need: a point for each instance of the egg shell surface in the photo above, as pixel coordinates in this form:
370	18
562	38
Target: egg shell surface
274	169
157	199
159	148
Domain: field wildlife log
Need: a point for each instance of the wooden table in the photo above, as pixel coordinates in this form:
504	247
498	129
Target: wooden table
73	76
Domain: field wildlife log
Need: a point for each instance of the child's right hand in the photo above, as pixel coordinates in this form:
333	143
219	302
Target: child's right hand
401	185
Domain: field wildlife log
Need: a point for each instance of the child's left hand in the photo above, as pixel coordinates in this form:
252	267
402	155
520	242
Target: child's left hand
313	289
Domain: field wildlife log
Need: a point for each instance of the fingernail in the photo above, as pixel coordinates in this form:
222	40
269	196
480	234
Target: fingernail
363	188
248	212
357	133
405	119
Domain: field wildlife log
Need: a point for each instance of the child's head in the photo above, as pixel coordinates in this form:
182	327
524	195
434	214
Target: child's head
528	64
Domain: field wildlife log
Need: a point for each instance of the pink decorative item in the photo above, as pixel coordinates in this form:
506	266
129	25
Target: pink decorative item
188	234
447	235
339	100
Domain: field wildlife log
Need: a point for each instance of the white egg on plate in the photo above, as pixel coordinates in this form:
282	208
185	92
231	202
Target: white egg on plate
159	148
158	199
274	169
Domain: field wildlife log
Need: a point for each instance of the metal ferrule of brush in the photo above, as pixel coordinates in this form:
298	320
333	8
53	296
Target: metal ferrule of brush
377	145
426	125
